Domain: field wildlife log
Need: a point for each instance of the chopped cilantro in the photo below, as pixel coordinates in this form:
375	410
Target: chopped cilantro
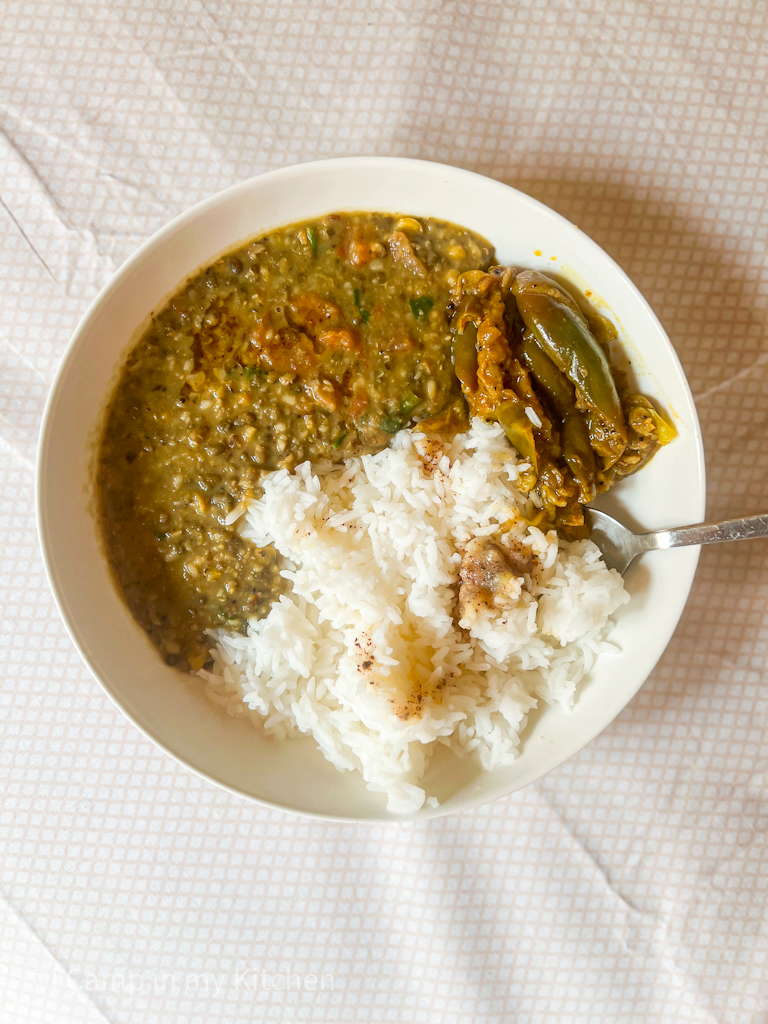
392	423
409	403
365	315
420	307
338	440
312	239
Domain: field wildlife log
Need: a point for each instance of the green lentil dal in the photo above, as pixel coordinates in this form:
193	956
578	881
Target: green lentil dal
316	341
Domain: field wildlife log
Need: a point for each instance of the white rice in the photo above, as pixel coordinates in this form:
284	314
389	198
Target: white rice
365	653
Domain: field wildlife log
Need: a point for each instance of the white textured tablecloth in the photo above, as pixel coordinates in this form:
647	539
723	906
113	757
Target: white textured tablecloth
631	884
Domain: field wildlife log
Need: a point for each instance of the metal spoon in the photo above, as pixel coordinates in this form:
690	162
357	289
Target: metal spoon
620	546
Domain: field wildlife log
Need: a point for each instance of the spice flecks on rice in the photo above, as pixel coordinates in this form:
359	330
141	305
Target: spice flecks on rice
423	608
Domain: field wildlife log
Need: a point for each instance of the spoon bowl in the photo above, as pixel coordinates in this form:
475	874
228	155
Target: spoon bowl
621	546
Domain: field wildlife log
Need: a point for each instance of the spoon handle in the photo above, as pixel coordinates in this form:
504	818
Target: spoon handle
713	533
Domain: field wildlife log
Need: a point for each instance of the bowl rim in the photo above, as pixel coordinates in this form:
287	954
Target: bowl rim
103	296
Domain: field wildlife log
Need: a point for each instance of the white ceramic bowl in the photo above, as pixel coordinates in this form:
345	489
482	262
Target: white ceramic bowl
165	704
